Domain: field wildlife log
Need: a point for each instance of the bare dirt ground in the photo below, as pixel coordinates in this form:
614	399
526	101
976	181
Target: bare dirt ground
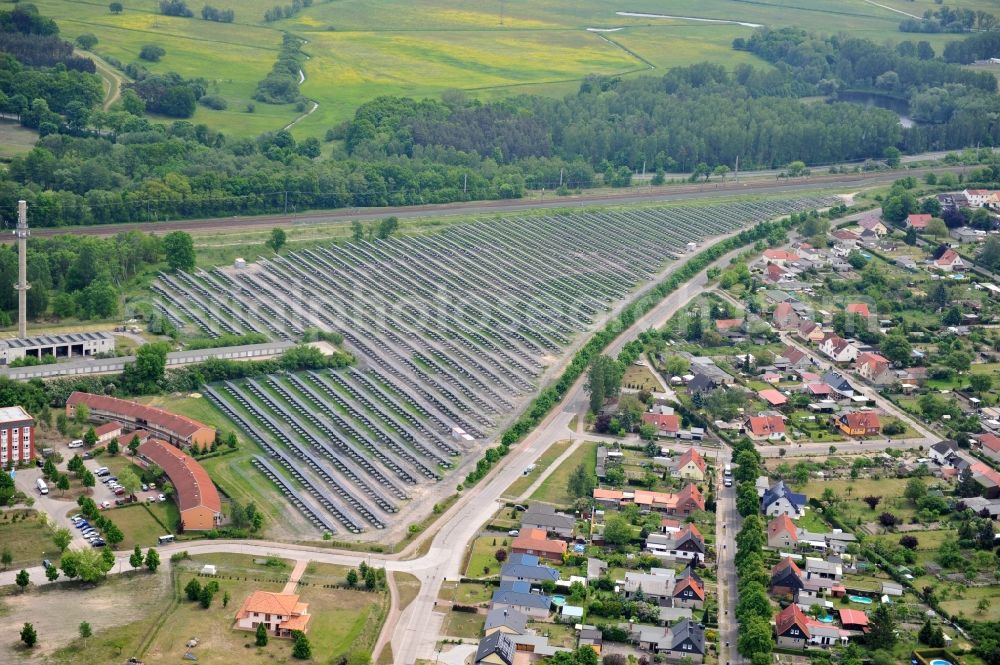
56	613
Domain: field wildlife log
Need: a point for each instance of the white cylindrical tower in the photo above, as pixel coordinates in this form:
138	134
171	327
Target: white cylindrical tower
22	268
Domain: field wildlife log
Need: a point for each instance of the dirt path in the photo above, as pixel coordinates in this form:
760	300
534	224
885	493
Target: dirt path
391	619
114	81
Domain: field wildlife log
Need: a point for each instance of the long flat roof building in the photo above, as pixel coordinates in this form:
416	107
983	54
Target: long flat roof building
176	429
70	345
197	498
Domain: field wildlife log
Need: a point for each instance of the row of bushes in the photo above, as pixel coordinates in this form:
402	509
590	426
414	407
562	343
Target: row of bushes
553	394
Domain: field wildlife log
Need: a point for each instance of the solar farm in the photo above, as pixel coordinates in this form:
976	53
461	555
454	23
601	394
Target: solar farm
452	332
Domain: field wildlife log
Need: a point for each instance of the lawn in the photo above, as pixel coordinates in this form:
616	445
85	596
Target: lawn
559	634
554	489
481	560
407	586
970	599
142	524
463	624
15	139
850	493
467	593
519	486
29	539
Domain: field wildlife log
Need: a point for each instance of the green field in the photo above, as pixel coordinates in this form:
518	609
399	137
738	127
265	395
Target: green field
519	486
139	523
360	49
554	489
29	540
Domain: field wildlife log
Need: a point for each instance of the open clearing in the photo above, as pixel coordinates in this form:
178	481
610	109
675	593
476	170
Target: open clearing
360	49
29	539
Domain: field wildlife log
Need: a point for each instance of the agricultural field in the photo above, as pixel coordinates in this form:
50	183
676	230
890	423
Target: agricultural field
359	50
464	352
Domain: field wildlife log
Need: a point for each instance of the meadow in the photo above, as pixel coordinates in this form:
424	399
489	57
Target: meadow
359	50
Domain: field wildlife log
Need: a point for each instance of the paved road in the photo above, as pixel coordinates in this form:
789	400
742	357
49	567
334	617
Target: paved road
727	524
624	197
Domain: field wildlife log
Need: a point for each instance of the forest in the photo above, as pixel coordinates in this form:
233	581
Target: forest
96	167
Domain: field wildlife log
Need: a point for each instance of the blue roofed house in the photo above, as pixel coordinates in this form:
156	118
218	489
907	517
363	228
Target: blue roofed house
838	384
525	568
518	596
779	500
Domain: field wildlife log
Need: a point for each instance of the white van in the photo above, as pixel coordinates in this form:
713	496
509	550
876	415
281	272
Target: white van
42	487
728	471
76	443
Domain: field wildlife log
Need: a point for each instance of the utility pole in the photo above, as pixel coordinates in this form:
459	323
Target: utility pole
286	202
737	168
465	184
22	233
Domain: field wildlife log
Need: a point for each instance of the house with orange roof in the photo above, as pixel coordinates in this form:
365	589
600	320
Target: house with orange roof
684	502
853	620
774	274
690	465
990	444
537	542
791	628
726	325
950	261
858	308
780	256
765	428
108	431
689	591
782	533
774	398
860	423
874	367
665	424
280	613
918	222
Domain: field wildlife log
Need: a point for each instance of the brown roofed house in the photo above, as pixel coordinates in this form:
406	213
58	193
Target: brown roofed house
281	613
537	542
178	430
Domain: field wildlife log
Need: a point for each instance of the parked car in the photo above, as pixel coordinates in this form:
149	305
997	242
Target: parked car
98	543
105	504
88	455
513	532
46	563
162	498
82	524
39	462
145	487
119	491
76	443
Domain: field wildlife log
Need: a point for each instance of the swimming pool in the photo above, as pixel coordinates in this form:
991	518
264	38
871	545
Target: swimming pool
939	661
864	601
559	600
826	619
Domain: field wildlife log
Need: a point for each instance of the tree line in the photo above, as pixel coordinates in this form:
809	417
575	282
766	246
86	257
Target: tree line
281	85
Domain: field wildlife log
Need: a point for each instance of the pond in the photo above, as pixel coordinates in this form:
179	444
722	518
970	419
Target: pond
898	106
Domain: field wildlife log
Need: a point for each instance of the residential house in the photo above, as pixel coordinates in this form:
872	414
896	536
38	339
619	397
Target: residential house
765	428
525	568
705	365
986	478
782	533
780	256
656	586
775	274
670	526
667	425
794	358
280	613
507	621
839	385
591	637
874	225
542	516
779	500
517	596
537	542
950	261
965	235
874	367
791	628
990	446
944	453
978	198
838	349
689	591
811	332
702	383
918	222
786	577
824	569
683	640
690	465
859	423
686	501
686	544
858	309
892	589
108	431
497	648
785	317
983	506
838	541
